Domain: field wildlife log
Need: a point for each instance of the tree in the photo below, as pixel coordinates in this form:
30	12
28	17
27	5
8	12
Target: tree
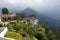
20	16
10	27
13	35
5	11
58	33
51	36
41	36
33	15
32	38
1	25
23	15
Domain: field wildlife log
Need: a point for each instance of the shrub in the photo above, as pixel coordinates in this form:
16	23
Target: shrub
1	25
13	35
34	38
41	36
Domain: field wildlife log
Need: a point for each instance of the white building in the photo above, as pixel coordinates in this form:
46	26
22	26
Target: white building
31	20
3	30
0	20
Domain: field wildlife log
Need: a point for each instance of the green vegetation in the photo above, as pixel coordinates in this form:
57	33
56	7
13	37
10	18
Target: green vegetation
41	36
51	35
13	35
20	16
1	25
35	33
18	29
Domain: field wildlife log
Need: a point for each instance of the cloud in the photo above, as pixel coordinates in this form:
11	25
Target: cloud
22	3
49	7
35	4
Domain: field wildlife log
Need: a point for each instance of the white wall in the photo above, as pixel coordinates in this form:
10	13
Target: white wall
3	32
0	19
4	38
34	22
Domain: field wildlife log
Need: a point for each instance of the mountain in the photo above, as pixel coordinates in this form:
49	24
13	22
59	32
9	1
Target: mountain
50	21
0	10
30	11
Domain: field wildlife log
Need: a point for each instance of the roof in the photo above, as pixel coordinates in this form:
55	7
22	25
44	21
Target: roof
27	18
1	29
6	15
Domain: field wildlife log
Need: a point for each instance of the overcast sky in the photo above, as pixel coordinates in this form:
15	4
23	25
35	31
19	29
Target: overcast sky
46	6
36	4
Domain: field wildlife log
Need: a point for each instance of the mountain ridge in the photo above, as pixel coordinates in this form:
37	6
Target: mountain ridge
51	21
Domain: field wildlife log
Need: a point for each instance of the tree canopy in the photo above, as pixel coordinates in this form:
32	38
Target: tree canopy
5	11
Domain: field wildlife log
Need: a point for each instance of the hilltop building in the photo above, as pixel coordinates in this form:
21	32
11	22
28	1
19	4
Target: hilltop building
10	15
31	20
